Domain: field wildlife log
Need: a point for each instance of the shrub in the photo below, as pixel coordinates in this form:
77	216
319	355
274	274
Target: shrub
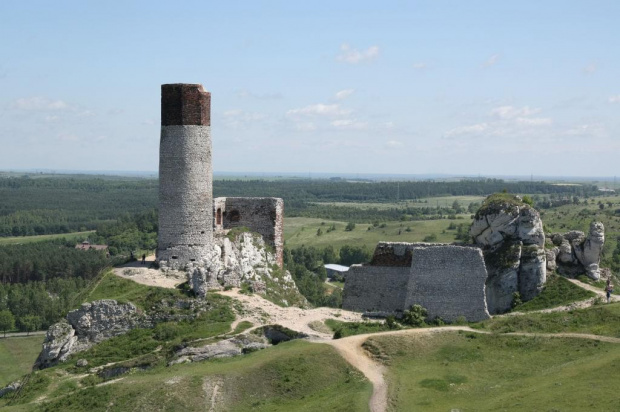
350	226
415	316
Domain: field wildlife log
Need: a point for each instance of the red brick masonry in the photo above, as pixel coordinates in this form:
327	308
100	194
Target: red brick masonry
185	105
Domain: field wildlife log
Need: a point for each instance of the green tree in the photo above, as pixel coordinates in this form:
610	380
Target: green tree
350	226
29	323
7	321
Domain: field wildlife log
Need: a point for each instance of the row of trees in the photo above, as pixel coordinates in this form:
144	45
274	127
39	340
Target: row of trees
306	267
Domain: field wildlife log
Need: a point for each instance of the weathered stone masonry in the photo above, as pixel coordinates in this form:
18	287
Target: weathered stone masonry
447	280
185	175
263	215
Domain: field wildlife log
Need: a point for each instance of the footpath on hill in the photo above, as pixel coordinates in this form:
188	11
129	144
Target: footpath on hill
259	311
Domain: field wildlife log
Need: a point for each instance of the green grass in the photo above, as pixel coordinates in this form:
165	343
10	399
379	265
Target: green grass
17	355
124	290
466	371
344	329
441	201
598	320
291	376
242	326
41	238
303	231
557	292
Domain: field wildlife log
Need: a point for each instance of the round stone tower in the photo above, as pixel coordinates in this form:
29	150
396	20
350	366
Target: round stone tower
185	175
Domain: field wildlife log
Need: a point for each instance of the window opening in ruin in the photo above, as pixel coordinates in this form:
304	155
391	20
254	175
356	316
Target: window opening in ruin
192	260
235	216
175	257
202	232
218	216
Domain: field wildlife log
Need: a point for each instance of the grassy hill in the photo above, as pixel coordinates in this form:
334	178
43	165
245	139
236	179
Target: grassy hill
468	371
17	355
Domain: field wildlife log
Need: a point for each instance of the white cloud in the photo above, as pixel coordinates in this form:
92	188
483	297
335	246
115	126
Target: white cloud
50	119
238	118
244	94
510	112
394	144
343	94
534	121
589	69
463	130
353	56
319	109
38	103
420	66
349	124
614	99
491	61
305	126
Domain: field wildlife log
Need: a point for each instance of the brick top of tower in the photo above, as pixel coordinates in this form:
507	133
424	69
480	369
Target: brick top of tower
185	104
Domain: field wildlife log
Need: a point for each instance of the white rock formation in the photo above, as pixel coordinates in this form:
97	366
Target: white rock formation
511	234
574	253
232	262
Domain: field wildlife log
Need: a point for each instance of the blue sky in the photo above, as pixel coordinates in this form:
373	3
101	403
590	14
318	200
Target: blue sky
412	87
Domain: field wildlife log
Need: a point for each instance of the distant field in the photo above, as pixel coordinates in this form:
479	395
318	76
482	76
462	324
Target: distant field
17	355
441	201
30	239
303	231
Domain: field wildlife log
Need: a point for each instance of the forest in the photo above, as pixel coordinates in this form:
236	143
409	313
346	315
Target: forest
47	205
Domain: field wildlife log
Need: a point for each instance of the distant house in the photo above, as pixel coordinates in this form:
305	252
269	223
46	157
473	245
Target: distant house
336	271
85	245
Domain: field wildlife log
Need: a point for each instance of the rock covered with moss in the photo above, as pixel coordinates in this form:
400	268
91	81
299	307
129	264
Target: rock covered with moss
510	233
573	253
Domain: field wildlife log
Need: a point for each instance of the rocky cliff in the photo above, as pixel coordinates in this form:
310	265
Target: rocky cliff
510	232
243	259
573	253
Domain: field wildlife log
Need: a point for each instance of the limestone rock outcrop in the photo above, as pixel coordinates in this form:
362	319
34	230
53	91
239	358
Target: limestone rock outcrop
97	321
243	259
510	232
11	387
573	253
90	324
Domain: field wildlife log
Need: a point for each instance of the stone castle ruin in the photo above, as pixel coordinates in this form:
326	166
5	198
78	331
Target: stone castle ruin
188	214
447	280
508	259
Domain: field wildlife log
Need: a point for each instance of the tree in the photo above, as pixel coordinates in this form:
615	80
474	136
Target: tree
350	226
7	321
29	323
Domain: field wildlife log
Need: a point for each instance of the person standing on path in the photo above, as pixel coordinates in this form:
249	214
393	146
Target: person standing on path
144	259
608	290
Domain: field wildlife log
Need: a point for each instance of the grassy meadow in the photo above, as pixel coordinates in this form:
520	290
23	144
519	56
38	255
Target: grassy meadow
41	238
303	231
469	371
17	355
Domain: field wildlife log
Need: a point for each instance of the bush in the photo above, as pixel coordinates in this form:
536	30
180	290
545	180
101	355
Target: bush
350	226
415	316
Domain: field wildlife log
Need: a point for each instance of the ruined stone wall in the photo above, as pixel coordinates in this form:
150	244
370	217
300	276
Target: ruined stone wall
449	281
185	175
376	289
263	215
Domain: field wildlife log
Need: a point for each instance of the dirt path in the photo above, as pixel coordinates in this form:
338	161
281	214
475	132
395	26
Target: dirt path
144	275
260	311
